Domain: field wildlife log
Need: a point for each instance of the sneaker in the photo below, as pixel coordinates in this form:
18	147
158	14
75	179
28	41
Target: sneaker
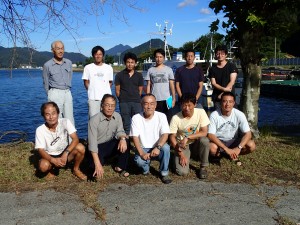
203	173
166	179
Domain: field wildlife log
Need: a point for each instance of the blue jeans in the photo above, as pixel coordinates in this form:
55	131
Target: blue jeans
163	158
127	111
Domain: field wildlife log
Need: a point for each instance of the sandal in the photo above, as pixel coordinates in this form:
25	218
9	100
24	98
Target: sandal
122	173
80	175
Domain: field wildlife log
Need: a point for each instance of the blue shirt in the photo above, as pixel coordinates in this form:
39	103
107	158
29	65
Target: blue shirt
57	75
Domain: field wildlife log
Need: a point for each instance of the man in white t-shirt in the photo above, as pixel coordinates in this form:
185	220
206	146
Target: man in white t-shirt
97	78
150	131
188	130
225	126
52	142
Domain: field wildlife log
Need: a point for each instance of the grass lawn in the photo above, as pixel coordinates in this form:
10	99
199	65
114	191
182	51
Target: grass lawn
275	162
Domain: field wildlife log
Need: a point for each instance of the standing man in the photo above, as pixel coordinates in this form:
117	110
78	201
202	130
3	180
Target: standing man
150	130
188	130
225	126
189	78
52	142
107	138
129	86
97	78
160	82
222	75
57	77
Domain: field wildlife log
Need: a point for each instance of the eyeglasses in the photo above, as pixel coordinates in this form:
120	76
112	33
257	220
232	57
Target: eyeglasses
58	49
54	141
109	105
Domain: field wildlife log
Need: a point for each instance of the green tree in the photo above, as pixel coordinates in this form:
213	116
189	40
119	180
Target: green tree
247	22
109	59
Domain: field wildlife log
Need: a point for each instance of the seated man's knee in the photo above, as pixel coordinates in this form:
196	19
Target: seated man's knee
139	161
80	148
44	165
204	141
213	149
182	171
251	146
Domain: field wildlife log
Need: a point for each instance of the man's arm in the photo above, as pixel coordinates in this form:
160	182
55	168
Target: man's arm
110	83
86	84
117	88
199	91
141	90
46	79
148	89
177	85
137	144
231	82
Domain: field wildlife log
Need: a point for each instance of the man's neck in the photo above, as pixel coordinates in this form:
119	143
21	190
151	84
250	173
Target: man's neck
51	127
190	66
98	63
130	72
222	63
226	113
148	117
58	60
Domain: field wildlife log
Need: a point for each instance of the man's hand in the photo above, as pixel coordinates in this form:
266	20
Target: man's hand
182	160
122	146
58	162
182	143
145	156
99	171
233	153
155	152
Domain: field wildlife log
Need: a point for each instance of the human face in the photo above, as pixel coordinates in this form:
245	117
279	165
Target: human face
58	50
159	59
149	106
130	64
189	58
187	109
51	116
227	104
220	55
98	57
108	107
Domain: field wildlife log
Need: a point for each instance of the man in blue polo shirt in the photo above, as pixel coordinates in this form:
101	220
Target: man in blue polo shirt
57	78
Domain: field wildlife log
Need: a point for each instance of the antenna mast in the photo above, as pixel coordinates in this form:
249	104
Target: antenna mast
165	32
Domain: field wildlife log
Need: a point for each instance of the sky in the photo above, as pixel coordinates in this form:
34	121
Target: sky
188	19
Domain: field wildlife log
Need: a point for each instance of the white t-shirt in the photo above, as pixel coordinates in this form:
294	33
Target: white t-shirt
226	128
54	143
99	77
182	126
149	130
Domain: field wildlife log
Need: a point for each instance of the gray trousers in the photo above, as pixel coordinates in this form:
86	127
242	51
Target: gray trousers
200	148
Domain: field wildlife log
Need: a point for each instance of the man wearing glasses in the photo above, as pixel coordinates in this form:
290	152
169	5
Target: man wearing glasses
52	141
57	78
229	132
107	138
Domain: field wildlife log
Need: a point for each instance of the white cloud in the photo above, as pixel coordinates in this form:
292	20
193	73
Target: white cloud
205	11
186	3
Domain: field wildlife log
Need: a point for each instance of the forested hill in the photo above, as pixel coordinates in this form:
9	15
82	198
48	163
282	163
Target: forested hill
27	56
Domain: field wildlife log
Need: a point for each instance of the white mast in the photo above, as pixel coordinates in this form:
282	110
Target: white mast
165	32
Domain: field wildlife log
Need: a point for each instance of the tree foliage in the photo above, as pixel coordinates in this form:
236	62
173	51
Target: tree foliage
249	22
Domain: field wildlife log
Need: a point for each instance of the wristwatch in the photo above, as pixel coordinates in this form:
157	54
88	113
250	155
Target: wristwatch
158	147
240	147
123	138
67	151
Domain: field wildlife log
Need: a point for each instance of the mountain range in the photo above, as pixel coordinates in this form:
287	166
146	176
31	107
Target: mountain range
28	56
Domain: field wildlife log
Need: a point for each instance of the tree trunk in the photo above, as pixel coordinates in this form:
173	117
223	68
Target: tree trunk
250	61
250	95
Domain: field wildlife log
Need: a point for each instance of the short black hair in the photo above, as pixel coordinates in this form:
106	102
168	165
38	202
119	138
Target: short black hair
147	95
188	97
221	48
228	93
159	50
130	55
187	51
96	49
46	104
108	96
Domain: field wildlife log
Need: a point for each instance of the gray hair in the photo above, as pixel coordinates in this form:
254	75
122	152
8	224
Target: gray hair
54	42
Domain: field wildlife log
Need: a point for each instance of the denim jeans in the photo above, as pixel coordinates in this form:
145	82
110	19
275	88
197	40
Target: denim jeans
127	111
163	158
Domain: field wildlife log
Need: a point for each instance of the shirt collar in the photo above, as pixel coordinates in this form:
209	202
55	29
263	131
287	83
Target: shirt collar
103	117
53	61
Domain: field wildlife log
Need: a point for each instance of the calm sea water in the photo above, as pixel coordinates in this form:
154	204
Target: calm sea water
22	95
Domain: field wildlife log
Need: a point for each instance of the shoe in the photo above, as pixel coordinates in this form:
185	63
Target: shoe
166	179
122	173
203	173
80	175
50	176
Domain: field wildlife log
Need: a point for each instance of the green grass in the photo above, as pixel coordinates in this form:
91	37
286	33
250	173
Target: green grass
275	162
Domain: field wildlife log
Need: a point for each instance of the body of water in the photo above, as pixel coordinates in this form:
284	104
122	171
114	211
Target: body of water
22	95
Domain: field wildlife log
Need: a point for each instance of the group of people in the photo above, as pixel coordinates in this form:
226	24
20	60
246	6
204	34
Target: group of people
145	125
